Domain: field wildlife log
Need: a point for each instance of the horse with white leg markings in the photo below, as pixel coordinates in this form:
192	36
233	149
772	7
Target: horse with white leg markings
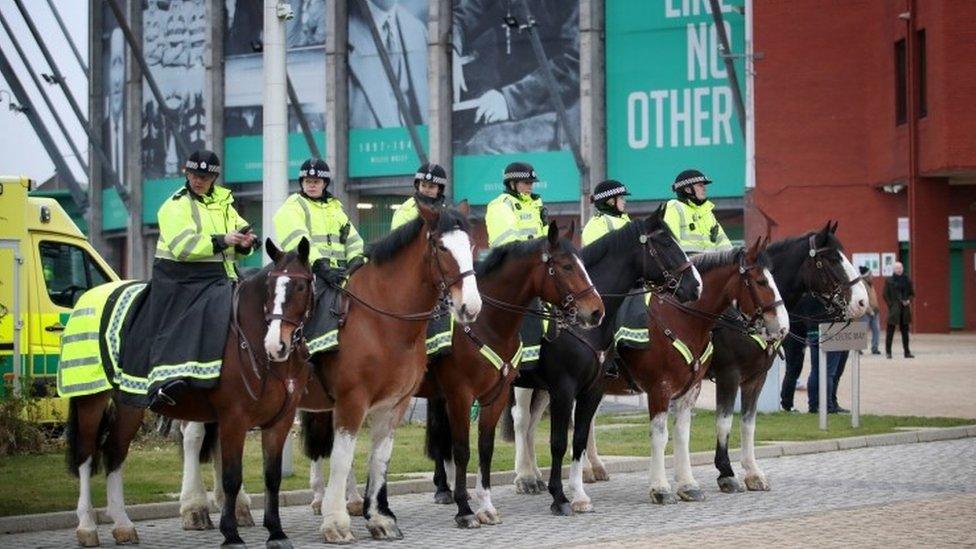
200	443
570	366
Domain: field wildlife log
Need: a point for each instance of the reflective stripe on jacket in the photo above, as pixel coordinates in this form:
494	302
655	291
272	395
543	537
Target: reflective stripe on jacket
188	223
692	226
509	219
326	226
601	224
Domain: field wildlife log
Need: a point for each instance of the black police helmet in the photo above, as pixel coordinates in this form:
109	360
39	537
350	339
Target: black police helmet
203	162
431	172
315	167
519	171
608	189
688	178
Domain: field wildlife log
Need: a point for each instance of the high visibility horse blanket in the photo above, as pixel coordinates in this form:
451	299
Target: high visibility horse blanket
138	336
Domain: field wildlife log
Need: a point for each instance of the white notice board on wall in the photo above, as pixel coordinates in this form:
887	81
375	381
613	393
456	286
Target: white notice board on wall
871	260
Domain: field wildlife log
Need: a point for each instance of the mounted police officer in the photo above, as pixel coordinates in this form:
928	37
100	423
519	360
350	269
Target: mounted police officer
517	213
314	213
187	311
690	216
609	200
429	183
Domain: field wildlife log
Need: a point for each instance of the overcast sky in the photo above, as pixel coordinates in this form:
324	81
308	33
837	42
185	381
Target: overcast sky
21	152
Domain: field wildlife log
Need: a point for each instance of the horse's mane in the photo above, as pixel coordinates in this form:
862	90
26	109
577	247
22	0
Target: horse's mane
713	260
780	245
614	243
515	250
386	248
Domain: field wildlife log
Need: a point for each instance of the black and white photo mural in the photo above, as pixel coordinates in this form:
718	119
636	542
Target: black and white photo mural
113	119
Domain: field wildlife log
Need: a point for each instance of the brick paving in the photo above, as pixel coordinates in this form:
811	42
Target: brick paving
914	494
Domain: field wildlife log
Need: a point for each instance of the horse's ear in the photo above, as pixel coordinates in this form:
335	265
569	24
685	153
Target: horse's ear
303	249
833	229
661	209
553	234
826	230
571	230
464	208
428	214
273	252
753	251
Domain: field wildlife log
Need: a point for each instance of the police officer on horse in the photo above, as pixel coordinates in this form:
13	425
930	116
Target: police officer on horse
429	183
609	200
691	217
517	213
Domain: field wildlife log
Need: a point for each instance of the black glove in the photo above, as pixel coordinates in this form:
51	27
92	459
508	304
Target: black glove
218	243
355	263
332	277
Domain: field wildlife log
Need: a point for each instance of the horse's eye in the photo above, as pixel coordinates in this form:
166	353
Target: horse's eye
442	247
301	286
567	267
762	282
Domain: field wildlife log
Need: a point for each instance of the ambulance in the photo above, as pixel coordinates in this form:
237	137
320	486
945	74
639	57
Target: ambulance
46	263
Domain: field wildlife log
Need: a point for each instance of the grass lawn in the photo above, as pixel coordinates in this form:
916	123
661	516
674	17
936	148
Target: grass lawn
40	483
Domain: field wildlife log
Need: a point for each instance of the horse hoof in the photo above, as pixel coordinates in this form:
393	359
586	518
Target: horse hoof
354	508
235	545
561	509
443	497
490	518
582	506
284	543
691	494
730	485
244	518
588	476
125	535
467	521
541	485
385	532
663	498
197	519
601	474
527	486
757	483
87	538
337	535
317	508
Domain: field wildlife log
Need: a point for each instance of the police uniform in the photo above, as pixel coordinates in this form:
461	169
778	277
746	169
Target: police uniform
607	217
693	222
513	216
335	243
408	211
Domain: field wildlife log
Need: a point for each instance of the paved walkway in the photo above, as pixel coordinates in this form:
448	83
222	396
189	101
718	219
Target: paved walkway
909	495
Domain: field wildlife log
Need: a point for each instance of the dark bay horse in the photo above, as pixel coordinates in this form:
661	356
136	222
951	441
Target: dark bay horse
670	369
484	360
572	365
382	356
812	263
271	308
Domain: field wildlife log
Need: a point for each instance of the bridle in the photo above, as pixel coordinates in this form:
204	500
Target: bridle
298	323
446	283
671	279
833	301
755	321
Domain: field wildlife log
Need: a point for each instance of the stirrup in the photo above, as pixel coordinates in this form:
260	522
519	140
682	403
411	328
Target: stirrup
161	396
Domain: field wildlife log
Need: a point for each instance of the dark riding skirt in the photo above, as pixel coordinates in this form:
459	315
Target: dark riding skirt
177	330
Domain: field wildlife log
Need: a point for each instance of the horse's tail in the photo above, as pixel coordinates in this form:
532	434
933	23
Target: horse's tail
210	440
507	423
318	434
75	454
438	435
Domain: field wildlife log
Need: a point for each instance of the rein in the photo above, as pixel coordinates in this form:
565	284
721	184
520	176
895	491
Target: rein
507	367
671	279
832	302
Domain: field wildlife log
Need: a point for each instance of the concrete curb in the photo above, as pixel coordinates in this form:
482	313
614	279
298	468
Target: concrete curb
171	509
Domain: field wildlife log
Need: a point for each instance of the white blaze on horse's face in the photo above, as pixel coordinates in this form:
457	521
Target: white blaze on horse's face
858	304
276	343
698	279
467	300
778	320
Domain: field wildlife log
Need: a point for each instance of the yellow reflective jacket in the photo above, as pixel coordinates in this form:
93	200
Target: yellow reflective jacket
188	223
510	218
695	227
602	223
408	211
326	226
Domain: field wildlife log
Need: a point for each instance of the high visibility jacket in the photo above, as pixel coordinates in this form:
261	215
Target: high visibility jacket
510	218
188	224
326	226
408	211
602	223
695	227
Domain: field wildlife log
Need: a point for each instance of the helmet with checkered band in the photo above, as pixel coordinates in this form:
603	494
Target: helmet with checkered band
203	162
315	167
518	171
432	173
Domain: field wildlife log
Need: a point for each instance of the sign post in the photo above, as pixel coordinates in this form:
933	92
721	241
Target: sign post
836	337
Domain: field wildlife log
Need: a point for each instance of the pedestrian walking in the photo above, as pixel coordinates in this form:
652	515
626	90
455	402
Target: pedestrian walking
898	294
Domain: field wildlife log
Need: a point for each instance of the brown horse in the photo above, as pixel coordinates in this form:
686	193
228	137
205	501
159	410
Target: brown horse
270	309
382	358
485	356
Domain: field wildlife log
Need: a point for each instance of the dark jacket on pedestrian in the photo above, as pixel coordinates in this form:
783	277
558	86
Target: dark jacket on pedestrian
898	289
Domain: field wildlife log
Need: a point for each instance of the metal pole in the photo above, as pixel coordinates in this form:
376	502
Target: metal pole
302	120
59	78
74	49
557	99
726	54
275	119
181	144
822	389
77	193
397	92
44	95
856	389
